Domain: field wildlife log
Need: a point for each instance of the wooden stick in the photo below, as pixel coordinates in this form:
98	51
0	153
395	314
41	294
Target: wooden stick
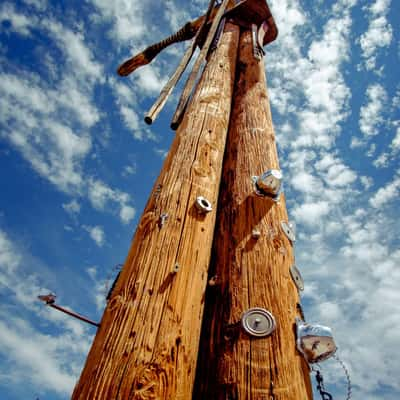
166	91
193	75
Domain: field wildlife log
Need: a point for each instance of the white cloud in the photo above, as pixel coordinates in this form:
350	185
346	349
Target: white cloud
371	118
77	53
128	104
36	356
161	152
51	128
386	194
379	33
126	16
100	289
9	258
127	214
96	233
100	195
312	77
367	182
382	161
311	213
20	23
29	356
129	170
395	145
72	208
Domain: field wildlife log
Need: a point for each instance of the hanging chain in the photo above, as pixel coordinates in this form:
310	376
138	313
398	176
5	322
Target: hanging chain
346	372
320	387
320	381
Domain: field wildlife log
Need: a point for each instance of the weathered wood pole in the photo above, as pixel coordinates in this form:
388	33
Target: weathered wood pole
250	272
147	344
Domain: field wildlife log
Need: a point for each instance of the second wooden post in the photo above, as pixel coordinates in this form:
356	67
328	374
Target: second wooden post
250	263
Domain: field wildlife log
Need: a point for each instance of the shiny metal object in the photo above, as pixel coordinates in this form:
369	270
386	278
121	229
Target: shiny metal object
315	342
297	278
288	230
203	205
269	183
258	51
255	234
258	322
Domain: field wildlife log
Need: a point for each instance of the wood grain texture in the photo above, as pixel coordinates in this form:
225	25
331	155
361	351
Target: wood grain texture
146	346
247	272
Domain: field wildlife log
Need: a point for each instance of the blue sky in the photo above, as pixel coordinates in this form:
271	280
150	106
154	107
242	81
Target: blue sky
77	164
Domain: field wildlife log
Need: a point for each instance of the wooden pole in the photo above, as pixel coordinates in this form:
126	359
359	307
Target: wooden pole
147	343
249	272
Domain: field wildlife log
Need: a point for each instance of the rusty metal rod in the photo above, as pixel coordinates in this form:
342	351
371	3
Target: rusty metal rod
73	314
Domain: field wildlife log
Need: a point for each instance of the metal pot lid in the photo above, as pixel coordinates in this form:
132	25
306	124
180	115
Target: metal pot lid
258	322
297	278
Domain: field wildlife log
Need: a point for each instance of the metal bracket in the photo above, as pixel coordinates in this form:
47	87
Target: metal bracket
297	278
288	230
218	35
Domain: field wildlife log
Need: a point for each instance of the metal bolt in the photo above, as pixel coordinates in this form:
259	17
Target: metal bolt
163	218
176	268
269	184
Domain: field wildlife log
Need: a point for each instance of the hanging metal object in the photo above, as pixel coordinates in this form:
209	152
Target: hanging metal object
203	205
297	278
315	342
258	322
288	230
269	184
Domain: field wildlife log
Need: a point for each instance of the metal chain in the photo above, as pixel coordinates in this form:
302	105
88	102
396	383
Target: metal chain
346	372
320	387
320	380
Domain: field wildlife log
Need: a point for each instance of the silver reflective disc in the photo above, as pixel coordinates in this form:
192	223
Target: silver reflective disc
258	322
288	231
203	205
297	278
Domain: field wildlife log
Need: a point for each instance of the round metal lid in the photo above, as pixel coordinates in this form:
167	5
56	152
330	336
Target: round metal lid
297	278
258	322
288	230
